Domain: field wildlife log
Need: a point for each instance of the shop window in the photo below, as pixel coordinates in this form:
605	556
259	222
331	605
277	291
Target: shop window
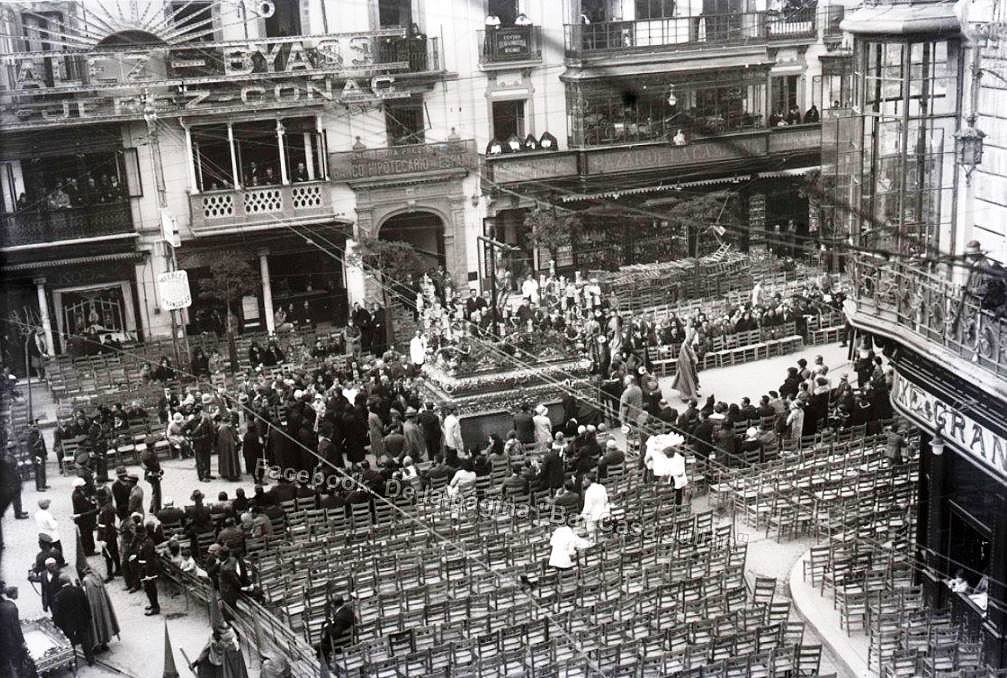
505	10
655	9
395	13
405	123
193	19
286	19
968	548
508	119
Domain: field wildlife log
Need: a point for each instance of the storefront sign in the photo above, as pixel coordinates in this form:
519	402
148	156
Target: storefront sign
513	42
90	86
173	288
795	139
661	155
542	165
381	162
952	423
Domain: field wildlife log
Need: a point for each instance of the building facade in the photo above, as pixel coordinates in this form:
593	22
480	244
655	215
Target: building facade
913	193
157	135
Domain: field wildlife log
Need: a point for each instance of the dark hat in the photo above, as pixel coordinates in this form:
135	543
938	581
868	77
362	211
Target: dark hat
120	471
196	494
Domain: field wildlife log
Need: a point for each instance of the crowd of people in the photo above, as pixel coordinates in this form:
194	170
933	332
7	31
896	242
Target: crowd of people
577	314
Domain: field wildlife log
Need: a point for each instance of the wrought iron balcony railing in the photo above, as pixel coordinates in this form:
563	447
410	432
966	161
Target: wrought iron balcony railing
933	309
692	32
56	225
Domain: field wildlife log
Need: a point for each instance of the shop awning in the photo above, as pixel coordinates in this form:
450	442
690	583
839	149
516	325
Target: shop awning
932	19
72	261
664	186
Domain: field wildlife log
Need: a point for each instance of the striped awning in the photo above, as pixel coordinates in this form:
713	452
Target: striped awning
664	186
72	261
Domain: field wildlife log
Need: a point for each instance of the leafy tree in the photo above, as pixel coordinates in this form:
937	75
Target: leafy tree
550	230
701	218
390	263
231	278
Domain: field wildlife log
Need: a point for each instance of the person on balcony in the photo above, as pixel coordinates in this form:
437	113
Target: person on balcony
514	144
492	22
301	173
58	199
494	147
679	138
522	20
270	177
530	142
985	282
547	142
812	115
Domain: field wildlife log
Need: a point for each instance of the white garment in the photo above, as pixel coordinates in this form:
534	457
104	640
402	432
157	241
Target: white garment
463	483
543	429
522	20
529	289
756	294
492	21
46	524
453	433
417	350
595	502
564	543
677	471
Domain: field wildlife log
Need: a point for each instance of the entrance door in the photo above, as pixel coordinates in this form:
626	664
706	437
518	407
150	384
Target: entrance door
505	10
508	119
423	230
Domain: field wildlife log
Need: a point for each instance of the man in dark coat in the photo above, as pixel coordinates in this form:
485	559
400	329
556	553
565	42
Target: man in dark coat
108	534
523	424
72	614
15	661
203	434
551	477
337	629
431	425
232	580
612	457
85	514
148	570
120	492
251	450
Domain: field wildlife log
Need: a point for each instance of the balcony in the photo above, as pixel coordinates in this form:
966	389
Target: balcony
586	41
931	314
422	53
509	45
221	211
36	228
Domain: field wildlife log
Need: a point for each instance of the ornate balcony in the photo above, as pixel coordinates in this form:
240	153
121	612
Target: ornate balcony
585	41
262	206
58	226
509	45
932	315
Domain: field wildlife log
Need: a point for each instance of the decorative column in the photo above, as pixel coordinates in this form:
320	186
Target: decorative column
995	627
234	158
43	311
323	161
193	186
280	131
267	290
309	155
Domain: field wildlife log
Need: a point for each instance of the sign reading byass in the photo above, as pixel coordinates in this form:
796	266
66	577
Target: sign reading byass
957	428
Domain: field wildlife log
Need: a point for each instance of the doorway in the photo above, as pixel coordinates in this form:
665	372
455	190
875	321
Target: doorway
423	230
508	119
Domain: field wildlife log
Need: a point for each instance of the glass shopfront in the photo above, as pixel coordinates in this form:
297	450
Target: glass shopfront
652	108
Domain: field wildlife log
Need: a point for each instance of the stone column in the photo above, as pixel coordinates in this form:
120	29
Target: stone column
267	290
235	175
995	627
935	517
43	311
280	131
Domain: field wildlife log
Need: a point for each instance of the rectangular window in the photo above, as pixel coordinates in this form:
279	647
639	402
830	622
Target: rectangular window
286	19
192	19
508	119
785	94
655	9
405	123
395	13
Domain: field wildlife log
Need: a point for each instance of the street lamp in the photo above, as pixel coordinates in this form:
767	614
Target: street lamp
969	147
937	445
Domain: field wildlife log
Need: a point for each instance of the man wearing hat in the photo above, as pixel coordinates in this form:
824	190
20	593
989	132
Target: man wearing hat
108	534
120	492
85	514
72	615
613	456
203	434
416	444
631	401
10	485
751	446
543	427
147	569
